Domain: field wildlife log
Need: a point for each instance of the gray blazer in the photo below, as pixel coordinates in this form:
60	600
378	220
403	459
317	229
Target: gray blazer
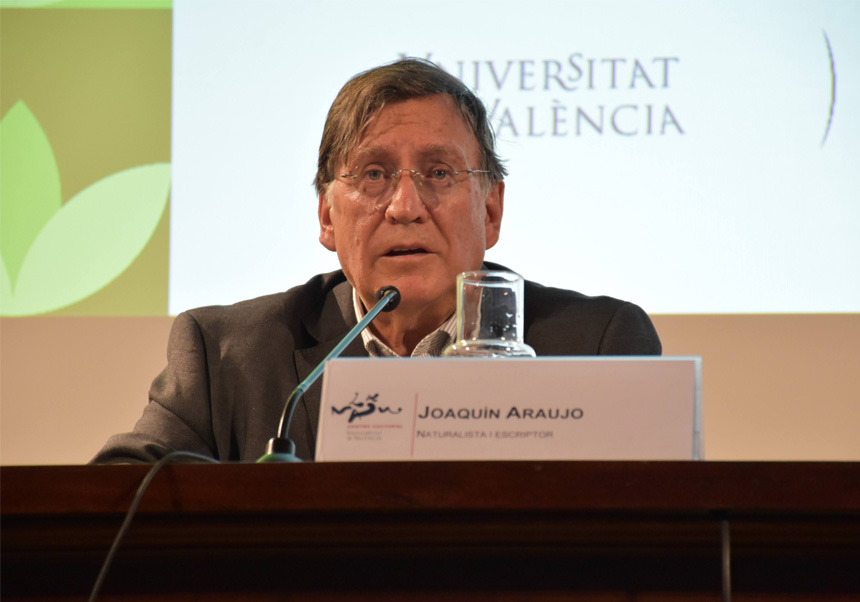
231	368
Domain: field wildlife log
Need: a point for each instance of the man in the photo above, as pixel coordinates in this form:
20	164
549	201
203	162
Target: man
411	193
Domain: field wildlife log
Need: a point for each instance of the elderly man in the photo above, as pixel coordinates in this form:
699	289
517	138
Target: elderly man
411	193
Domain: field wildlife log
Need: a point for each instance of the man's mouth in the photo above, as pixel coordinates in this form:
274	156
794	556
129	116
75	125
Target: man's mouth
402	252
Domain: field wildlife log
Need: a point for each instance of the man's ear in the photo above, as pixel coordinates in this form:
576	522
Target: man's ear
326	227
495	206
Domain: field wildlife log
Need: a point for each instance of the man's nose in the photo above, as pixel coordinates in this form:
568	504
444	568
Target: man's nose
406	204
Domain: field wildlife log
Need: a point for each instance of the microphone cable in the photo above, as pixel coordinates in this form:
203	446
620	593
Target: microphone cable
129	516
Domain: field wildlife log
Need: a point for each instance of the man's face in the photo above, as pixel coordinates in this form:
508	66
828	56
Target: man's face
408	237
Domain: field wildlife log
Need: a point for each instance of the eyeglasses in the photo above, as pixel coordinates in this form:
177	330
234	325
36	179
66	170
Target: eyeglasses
374	182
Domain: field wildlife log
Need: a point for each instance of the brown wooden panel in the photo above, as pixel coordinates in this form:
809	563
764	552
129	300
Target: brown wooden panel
470	531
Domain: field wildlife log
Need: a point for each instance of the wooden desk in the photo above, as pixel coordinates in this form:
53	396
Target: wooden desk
598	531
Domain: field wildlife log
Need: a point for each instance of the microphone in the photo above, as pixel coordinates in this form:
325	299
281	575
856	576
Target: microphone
280	448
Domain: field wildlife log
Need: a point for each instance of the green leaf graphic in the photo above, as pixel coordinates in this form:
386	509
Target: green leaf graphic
29	185
91	240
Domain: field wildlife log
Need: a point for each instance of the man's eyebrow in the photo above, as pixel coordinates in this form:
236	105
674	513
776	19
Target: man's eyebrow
368	150
368	154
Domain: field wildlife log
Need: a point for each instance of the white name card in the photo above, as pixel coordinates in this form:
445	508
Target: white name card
559	408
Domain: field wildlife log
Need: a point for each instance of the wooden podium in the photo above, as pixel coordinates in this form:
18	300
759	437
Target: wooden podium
478	531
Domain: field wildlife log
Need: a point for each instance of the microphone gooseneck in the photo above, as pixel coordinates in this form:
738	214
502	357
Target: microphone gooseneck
280	448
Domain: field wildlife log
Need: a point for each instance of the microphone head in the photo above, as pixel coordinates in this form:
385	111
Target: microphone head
393	302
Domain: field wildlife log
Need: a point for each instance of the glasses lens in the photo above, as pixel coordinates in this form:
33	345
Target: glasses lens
375	180
370	180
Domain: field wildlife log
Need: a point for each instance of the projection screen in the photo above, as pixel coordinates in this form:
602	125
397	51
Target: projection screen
694	157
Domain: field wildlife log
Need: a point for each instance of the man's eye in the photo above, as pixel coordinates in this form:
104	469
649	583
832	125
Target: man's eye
374	175
440	174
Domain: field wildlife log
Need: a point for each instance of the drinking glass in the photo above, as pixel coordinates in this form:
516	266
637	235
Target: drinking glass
489	316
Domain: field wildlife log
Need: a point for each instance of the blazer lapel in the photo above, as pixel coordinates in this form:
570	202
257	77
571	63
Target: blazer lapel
336	318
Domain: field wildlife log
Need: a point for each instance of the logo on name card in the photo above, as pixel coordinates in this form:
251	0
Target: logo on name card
368	406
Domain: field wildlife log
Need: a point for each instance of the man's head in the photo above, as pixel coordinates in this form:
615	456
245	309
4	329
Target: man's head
403	196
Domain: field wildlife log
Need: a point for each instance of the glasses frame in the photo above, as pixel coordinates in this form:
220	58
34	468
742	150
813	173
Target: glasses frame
417	177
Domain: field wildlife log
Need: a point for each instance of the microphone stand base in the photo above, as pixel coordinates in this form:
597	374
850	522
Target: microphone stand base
278	459
279	450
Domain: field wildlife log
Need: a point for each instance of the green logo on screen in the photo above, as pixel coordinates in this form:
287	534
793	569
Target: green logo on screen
53	254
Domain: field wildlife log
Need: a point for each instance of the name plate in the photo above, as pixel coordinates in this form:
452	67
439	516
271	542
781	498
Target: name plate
564	408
